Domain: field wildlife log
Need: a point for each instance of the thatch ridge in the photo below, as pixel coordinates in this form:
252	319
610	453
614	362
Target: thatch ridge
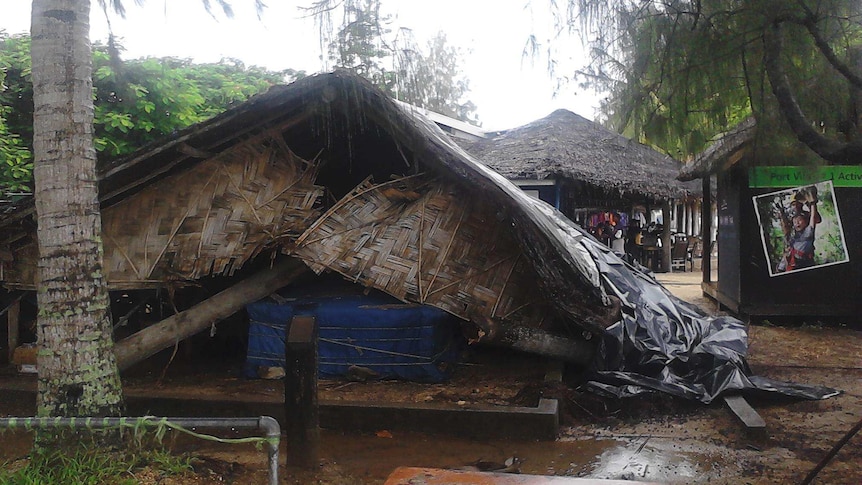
568	146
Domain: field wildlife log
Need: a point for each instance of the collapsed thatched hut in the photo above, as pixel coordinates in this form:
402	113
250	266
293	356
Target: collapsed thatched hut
592	174
330	174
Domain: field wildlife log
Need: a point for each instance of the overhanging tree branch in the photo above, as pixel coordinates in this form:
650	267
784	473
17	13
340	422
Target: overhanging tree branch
827	148
810	24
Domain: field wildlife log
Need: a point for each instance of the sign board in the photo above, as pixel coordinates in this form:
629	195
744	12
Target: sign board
800	228
790	176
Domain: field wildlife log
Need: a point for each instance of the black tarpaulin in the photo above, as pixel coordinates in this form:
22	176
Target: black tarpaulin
665	344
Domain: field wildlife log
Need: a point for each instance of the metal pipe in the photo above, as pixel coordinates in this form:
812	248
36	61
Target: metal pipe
266	424
273	433
834	451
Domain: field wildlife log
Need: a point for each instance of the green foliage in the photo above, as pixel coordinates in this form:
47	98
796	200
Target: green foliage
136	102
681	71
16	86
428	77
87	455
359	44
432	79
16	161
143	100
230	82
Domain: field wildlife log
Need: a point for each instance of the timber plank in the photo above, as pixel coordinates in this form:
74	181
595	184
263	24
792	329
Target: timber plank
745	412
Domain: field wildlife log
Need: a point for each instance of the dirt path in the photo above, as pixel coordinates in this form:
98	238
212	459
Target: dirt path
656	438
659	438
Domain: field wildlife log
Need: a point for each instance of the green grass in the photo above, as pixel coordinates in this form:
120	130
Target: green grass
89	466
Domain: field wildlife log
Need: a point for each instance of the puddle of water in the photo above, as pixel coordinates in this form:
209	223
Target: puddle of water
369	456
638	460
372	458
663	460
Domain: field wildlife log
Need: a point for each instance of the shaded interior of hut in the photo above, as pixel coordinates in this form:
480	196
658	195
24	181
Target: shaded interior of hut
633	234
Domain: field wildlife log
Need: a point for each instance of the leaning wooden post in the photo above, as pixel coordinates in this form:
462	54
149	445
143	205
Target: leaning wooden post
12	314
302	423
166	333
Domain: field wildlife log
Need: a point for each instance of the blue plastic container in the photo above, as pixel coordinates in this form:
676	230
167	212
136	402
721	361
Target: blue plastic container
376	332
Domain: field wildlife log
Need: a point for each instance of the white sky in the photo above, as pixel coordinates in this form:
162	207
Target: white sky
509	91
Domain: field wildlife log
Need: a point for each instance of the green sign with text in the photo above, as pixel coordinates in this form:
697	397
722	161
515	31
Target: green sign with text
787	176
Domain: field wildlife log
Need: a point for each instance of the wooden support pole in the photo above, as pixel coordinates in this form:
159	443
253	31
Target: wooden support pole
302	422
12	320
674	206
166	333
665	237
706	229
698	220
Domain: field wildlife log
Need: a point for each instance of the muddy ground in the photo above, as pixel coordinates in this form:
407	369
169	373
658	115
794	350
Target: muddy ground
655	438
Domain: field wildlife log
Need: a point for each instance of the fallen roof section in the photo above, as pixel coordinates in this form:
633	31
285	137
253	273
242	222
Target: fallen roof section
330	171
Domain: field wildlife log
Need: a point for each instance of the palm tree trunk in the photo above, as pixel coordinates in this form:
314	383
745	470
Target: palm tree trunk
77	370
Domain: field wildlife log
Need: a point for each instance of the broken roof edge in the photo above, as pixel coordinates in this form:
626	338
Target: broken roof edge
527	210
563	268
722	148
444	120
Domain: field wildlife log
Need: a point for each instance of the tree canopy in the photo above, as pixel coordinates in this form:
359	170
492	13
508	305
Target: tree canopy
680	71
136	102
427	76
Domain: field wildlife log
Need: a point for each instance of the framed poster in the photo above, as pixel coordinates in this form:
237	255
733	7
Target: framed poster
801	228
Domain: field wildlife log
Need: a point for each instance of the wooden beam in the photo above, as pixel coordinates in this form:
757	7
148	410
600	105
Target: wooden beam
744	412
166	333
711	290
665	236
12	320
540	342
301	413
706	229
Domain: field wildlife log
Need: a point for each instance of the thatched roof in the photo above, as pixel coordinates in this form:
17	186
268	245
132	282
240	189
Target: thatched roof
568	146
359	145
725	150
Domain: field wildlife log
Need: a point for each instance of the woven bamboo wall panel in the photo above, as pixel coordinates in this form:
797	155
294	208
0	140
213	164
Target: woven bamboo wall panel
212	218
422	241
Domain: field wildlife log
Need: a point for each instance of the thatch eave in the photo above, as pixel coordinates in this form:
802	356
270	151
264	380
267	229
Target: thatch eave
725	148
565	145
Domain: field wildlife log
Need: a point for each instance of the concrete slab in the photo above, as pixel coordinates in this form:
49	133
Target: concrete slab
469	420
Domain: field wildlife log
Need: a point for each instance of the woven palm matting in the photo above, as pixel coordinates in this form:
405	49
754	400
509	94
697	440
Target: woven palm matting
212	218
424	241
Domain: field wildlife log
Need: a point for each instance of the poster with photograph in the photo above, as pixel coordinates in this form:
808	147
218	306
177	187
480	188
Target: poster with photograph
800	228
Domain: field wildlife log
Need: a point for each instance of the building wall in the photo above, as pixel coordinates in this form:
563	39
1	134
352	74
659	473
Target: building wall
823	291
728	235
